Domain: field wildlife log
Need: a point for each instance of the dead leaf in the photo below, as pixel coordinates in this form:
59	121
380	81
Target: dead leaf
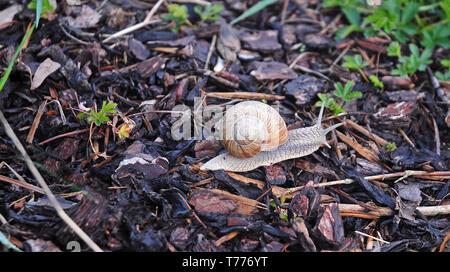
271	70
7	15
45	69
87	18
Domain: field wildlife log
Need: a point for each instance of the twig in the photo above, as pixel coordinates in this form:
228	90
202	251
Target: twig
384	211
406	137
436	137
307	70
367	133
36	121
22	184
211	48
442	247
245	95
136	26
71	36
64	135
59	210
372	237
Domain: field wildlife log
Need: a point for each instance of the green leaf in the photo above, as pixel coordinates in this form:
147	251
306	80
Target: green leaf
414	49
336	108
408	12
324	98
376	82
38	11
198	10
394	49
353	95
253	10
82	115
445	63
353	16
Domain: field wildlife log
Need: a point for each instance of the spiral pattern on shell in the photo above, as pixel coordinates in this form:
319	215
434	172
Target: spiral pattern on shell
251	127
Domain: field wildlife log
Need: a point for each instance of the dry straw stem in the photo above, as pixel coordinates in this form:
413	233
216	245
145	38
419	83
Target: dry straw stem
142	24
44	186
245	95
354	210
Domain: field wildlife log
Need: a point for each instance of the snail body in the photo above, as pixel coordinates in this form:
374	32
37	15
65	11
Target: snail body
270	144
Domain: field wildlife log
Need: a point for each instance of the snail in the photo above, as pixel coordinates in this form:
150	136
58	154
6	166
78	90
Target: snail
255	135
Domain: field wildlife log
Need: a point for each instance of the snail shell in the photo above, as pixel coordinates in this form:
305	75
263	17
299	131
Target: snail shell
251	127
255	135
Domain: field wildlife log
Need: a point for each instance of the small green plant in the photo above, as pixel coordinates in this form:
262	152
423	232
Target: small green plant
44	10
436	35
376	82
356	63
177	15
415	62
281	211
98	117
394	50
444	76
343	93
210	13
390	146
395	17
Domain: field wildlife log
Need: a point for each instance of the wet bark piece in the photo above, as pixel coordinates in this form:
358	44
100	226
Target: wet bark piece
303	236
207	148
301	30
138	49
272	70
289	36
396	114
275	174
142	165
304	88
75	78
318	41
395	82
409	191
410	158
150	66
246	190
179	237
405	96
66	148
206	202
181	42
329	228
145	36
263	41
88	214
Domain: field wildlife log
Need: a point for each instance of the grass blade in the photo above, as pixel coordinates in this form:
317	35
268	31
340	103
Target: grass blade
254	9
8	70
38	11
7	243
